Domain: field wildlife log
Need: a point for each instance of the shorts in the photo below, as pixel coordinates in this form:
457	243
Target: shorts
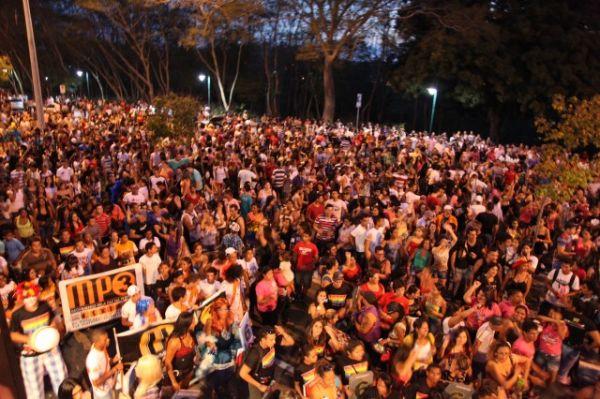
547	362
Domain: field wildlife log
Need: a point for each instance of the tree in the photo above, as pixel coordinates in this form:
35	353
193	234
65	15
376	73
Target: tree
175	116
335	27
571	142
135	42
503	54
221	27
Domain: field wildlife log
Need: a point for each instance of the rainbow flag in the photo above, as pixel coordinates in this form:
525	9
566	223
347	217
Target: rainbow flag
357	368
337	300
309	376
268	359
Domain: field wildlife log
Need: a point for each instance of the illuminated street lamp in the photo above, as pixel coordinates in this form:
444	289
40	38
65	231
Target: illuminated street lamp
202	77
432	91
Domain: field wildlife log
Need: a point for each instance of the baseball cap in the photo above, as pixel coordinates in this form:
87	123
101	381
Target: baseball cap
338	276
230	250
132	290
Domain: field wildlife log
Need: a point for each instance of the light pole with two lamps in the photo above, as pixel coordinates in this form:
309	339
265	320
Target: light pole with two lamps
432	91
202	77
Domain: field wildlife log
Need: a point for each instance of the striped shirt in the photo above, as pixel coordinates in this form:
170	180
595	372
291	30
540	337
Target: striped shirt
326	228
103	221
278	176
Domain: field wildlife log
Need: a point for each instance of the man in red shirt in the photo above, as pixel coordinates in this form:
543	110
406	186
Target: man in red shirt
306	256
315	209
102	220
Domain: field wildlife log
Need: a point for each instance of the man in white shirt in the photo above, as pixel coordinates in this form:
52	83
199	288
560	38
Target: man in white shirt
360	235
150	262
128	308
476	208
246	176
561	283
149	238
65	172
98	366
83	255
134	196
339	205
209	286
484	340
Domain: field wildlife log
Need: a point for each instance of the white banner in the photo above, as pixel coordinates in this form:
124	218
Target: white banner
97	298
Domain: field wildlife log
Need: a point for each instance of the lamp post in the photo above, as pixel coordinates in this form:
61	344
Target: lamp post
80	73
202	77
432	91
35	72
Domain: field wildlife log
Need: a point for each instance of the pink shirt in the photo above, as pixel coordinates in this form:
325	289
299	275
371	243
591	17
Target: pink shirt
266	288
550	341
480	316
523	348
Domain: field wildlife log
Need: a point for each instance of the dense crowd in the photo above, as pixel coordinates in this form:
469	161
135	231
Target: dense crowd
424	264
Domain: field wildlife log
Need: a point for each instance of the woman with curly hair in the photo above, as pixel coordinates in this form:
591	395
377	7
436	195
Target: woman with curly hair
219	343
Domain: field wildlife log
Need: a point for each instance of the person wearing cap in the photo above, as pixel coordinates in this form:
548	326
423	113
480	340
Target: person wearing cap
476	207
232	259
128	308
232	238
25	321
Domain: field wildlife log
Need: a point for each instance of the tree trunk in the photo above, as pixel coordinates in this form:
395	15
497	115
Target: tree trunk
328	91
494	121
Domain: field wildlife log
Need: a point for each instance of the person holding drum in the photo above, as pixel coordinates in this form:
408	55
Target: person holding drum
34	330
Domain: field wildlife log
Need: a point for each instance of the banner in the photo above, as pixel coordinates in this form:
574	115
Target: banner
150	340
97	298
153	339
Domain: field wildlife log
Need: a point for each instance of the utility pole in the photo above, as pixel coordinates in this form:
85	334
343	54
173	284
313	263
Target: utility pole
35	72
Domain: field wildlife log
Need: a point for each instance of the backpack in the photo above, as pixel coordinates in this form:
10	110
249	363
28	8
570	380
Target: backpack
571	281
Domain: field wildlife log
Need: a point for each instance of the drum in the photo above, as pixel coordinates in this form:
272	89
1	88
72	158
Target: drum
44	339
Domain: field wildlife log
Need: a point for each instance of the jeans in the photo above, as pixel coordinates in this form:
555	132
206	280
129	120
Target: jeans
569	358
303	280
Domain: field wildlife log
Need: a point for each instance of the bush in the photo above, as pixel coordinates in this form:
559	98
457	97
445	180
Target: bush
175	116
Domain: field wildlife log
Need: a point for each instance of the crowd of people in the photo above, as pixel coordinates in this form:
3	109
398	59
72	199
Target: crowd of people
424	264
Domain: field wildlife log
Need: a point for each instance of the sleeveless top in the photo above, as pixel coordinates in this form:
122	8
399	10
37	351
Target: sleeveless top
25	230
375	333
184	358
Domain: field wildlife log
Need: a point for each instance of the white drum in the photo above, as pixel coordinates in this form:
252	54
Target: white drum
44	339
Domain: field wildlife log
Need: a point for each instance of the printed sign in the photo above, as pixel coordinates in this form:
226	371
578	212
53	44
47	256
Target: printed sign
95	299
151	340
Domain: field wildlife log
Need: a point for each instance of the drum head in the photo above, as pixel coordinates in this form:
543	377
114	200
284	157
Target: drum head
45	339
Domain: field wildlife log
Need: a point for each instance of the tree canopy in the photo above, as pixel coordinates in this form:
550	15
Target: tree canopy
496	54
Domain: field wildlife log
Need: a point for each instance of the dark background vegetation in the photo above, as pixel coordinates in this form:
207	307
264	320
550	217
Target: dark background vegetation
496	64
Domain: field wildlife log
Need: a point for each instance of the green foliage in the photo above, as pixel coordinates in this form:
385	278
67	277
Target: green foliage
5	68
504	54
577	123
575	127
175	116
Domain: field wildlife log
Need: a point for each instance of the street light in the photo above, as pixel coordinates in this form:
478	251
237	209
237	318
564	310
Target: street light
432	91
80	73
202	77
